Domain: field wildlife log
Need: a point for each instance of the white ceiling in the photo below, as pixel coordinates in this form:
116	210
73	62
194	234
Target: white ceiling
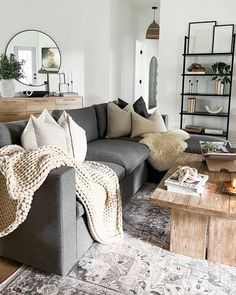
144	4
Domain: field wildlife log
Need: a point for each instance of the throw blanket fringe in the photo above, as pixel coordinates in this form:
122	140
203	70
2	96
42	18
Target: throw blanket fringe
165	147
22	173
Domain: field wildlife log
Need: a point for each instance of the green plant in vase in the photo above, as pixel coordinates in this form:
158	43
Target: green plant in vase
10	70
221	73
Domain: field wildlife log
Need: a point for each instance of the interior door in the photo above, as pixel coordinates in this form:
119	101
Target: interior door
28	54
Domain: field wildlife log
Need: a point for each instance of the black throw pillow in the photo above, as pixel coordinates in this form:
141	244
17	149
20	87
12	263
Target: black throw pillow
139	106
121	103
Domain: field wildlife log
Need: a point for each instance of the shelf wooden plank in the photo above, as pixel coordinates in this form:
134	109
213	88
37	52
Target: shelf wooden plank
205	94
185	113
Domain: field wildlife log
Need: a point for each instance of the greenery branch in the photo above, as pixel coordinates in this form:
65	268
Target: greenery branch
10	67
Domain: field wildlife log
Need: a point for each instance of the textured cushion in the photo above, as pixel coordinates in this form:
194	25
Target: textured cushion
127	154
75	137
49	134
43	131
139	106
142	125
101	112
119	170
119	121
193	142
85	118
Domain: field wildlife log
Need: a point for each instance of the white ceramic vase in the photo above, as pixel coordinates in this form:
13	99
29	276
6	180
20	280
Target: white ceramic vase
219	87
7	88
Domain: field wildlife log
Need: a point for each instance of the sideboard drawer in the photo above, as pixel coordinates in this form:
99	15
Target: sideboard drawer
9	117
69	103
37	105
11	106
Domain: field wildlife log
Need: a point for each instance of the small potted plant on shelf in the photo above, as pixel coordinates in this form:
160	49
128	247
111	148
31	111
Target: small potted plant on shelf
221	73
10	69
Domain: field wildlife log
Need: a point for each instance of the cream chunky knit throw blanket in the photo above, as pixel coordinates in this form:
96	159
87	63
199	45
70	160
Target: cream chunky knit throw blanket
22	173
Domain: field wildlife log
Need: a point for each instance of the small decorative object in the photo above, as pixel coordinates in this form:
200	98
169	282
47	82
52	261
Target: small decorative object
189	86
191	105
196	86
223	36
196	69
53	83
153	29
218	156
200	36
10	69
221	73
186	180
216	111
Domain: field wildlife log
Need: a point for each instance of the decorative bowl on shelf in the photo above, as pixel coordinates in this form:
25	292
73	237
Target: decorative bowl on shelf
215	111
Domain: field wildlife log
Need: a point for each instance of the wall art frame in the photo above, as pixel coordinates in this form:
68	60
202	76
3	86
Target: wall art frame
223	38
200	37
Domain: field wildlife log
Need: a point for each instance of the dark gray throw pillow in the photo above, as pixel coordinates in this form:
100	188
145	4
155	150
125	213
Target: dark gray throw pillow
139	106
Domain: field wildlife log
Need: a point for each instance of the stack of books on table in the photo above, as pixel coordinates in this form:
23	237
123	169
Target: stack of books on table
195	188
193	128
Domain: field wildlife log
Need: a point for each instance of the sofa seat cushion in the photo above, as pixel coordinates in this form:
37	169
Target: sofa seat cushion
127	154
119	170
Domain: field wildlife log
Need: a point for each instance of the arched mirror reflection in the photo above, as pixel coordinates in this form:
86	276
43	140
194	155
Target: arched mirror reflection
40	53
152	103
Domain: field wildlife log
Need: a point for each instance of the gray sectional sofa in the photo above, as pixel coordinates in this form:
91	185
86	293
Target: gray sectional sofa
55	235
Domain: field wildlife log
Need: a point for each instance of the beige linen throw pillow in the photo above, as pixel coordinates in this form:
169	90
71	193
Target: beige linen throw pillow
118	120
141	125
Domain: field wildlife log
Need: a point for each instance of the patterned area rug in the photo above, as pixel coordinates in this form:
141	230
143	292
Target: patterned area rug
137	264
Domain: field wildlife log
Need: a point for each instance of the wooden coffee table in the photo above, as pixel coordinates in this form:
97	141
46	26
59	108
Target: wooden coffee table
202	227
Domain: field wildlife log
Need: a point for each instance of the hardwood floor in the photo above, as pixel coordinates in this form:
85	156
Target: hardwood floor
7	268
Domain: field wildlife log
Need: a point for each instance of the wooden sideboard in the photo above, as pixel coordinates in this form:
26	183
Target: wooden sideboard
20	108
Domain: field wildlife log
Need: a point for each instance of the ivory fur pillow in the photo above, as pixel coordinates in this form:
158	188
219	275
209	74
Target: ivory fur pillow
141	125
118	120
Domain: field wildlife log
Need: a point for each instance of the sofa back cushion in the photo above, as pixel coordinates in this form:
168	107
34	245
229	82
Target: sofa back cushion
101	112
85	118
10	133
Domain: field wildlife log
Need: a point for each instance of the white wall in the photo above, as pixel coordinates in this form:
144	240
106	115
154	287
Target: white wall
174	19
122	50
150	48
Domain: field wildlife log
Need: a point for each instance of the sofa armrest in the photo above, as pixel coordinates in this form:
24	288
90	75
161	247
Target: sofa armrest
47	239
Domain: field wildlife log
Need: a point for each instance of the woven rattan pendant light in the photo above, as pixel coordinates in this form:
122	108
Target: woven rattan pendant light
153	29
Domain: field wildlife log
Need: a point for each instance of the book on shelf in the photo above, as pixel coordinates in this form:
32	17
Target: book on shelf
214	131
195	188
191	105
193	128
217	150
